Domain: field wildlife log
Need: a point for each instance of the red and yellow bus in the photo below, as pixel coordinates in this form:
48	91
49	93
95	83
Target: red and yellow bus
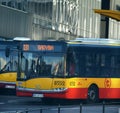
78	69
8	67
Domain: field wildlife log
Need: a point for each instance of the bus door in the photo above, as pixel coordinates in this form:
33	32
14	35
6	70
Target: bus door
58	72
49	70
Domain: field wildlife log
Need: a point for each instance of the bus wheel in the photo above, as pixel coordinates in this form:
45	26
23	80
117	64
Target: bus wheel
93	94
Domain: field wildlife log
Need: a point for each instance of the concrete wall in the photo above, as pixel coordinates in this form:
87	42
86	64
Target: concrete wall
15	23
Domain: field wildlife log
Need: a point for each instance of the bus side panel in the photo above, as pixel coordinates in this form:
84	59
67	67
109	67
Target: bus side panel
24	94
8	77
33	86
109	93
8	80
111	89
75	88
71	93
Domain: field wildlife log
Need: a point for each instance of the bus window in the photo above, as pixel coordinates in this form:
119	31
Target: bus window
117	66
97	64
58	67
113	65
72	63
52	65
105	65
2	61
8	63
102	64
7	52
13	61
89	65
81	64
37	65
42	67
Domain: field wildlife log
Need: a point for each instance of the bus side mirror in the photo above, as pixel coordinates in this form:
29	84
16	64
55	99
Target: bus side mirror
7	52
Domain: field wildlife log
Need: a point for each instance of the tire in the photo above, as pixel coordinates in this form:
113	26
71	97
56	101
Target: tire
93	94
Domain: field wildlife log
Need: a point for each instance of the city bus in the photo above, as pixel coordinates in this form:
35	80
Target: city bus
78	69
8	67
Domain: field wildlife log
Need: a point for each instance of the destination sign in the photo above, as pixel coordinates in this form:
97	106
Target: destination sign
26	47
43	47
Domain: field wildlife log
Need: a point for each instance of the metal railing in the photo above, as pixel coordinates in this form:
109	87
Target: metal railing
60	107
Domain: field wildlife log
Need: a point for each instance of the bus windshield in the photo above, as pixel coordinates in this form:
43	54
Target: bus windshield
34	64
8	63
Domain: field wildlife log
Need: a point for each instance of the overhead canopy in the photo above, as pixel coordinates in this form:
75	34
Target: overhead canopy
109	13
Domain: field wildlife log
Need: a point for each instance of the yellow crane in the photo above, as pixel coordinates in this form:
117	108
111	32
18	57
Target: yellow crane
109	13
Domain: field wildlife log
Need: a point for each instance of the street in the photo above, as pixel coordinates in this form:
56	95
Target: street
13	104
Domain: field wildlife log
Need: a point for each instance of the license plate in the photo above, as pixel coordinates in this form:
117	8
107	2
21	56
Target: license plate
10	86
38	95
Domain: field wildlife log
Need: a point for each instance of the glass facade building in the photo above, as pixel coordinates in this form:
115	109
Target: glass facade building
64	18
114	26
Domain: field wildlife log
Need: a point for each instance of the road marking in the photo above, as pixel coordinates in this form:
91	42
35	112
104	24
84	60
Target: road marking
12	101
2	103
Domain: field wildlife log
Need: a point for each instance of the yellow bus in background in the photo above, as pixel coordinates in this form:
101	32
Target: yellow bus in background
78	69
8	67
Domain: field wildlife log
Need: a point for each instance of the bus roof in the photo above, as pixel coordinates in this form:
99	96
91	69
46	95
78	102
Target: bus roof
95	41
8	44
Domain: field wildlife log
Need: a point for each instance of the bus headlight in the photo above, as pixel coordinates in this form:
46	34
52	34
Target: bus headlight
59	89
